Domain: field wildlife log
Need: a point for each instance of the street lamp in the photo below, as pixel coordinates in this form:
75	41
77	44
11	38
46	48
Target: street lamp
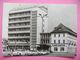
42	16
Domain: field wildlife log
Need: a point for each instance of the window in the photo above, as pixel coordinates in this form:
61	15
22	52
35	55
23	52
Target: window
62	49
63	35
59	35
54	41
43	30
48	41
70	43
55	49
74	44
42	41
54	35
63	41
59	41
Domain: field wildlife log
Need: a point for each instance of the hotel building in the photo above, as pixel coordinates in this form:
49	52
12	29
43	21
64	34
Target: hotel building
61	40
25	26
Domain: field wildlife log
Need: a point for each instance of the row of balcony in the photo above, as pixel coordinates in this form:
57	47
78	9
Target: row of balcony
18	21
18	37
19	26
19	31
18	16
18	43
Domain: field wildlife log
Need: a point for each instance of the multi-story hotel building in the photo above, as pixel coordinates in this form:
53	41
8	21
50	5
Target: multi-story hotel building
25	26
61	40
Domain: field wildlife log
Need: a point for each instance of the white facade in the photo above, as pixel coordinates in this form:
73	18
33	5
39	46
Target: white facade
59	40
63	42
72	43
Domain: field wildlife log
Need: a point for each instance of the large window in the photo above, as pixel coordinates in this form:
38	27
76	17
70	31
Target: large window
55	49
63	41
54	35
63	34
59	35
62	49
54	41
59	41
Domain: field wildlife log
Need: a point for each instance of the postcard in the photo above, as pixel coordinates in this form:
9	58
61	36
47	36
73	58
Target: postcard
39	29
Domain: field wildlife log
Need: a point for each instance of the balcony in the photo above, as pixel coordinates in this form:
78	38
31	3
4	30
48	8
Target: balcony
18	21
19	31
18	43
19	26
19	37
18	16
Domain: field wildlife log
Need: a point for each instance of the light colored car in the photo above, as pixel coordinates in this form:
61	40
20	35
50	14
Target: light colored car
27	52
39	53
35	53
16	53
19	52
22	52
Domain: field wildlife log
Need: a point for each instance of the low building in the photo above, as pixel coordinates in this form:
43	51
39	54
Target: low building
45	41
61	39
45	38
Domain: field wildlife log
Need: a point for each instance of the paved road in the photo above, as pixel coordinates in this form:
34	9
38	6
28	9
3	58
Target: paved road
61	54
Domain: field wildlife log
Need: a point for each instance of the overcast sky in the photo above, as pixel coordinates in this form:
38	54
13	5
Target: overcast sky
65	14
58	13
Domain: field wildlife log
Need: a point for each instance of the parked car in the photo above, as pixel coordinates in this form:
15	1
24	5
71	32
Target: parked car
16	53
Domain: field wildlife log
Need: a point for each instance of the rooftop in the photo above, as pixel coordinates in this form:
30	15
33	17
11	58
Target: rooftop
63	29
24	8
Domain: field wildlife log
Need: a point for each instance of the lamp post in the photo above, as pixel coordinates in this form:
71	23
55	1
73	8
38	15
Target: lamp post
42	17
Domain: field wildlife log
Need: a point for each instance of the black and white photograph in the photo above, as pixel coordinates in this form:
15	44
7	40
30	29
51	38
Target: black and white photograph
39	29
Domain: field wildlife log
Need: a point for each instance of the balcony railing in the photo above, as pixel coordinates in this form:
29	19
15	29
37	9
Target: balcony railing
19	37
19	21
18	16
18	43
19	26
19	31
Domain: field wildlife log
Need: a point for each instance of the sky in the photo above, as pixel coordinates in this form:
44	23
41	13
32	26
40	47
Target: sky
65	14
57	13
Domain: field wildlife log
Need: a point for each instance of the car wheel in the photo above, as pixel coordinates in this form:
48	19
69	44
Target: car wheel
19	53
